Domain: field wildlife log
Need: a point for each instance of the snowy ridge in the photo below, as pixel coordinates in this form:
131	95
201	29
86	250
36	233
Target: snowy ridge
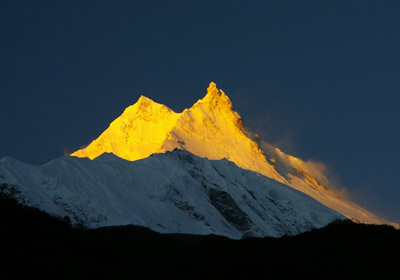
175	192
212	129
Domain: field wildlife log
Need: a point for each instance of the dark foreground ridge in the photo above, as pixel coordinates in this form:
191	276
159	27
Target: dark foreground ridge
36	244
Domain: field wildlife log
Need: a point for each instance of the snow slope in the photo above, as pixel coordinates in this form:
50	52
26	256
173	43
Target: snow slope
212	129
174	192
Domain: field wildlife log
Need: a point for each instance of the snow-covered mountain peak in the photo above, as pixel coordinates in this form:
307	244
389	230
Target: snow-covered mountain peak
212	90
137	133
144	102
212	129
148	107
215	99
213	93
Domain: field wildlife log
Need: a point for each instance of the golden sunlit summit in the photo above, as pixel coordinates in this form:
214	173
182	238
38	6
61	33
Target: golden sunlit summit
212	129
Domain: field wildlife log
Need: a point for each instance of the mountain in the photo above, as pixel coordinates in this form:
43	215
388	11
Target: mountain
196	172
173	192
212	129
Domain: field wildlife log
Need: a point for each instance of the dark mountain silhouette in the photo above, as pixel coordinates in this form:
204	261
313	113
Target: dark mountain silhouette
35	244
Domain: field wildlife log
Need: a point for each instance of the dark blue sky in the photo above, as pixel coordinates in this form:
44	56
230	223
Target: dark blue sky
320	79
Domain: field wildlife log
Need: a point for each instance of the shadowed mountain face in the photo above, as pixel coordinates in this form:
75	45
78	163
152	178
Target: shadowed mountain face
174	192
36	244
212	129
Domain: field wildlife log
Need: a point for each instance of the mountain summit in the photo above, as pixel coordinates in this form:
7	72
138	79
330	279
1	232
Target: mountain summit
199	172
212	129
139	132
